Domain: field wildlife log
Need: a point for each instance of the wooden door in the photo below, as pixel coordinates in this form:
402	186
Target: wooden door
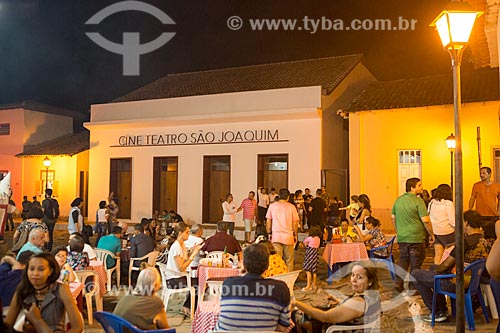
216	185
165	182
272	171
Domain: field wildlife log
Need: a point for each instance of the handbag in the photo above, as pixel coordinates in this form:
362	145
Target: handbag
23	238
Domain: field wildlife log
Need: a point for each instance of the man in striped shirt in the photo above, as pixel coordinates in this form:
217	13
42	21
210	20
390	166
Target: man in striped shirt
249	206
252	303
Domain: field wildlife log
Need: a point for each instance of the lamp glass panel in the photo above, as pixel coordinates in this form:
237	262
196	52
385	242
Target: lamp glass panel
461	26
442	28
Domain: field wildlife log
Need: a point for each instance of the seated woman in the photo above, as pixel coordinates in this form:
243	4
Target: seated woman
361	308
374	238
179	259
77	258
44	300
276	264
142	308
67	274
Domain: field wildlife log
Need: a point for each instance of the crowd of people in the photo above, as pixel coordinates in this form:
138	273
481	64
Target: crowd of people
35	283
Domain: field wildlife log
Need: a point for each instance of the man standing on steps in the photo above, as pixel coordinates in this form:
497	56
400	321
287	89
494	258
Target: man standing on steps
50	208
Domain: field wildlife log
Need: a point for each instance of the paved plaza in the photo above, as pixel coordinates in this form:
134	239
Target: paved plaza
396	315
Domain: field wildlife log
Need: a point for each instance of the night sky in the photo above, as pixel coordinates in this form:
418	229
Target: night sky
46	56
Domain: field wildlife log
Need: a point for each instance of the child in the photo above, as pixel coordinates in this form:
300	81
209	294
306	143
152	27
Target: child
353	207
312	244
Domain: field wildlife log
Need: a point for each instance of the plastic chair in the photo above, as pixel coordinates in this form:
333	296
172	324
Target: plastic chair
90	290
102	255
369	327
167	292
214	290
389	260
113	324
151	257
476	269
490	299
289	279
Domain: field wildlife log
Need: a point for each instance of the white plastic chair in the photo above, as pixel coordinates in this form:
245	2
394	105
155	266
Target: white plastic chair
167	292
370	327
151	257
289	279
490	300
90	290
102	255
214	290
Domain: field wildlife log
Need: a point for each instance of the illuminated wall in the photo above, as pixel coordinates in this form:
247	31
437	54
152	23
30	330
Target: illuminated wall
294	113
376	136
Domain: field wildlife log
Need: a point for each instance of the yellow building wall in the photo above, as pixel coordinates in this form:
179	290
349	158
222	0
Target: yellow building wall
66	177
376	136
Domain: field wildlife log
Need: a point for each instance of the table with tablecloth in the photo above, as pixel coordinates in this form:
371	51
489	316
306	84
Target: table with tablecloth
213	272
98	267
343	252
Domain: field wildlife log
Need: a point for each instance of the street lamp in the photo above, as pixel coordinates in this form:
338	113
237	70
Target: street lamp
46	163
451	144
454	25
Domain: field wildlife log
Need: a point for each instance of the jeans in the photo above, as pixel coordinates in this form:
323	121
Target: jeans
412	256
424	283
101	230
51	224
287	252
230	227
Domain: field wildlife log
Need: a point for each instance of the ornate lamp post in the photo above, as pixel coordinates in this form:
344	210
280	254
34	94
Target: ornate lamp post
46	163
454	25
451	144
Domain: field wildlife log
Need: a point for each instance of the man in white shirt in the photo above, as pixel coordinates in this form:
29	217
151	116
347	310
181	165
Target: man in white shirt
229	208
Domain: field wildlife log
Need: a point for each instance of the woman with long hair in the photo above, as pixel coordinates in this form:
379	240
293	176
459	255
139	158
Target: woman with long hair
362	307
442	215
365	210
179	259
43	299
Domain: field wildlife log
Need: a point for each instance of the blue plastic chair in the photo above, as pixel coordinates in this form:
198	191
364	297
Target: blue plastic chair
114	324
476	268
389	260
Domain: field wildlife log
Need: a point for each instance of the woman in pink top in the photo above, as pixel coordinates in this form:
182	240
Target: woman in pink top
312	244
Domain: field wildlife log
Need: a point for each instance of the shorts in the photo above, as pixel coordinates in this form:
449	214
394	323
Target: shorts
248	224
445	240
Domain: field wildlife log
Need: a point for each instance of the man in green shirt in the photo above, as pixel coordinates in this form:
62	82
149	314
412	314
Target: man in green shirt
411	221
113	244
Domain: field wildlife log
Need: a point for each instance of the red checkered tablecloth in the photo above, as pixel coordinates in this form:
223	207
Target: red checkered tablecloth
344	252
98	267
205	317
211	272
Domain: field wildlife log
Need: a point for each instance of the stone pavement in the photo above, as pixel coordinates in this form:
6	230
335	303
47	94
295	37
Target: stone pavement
396	316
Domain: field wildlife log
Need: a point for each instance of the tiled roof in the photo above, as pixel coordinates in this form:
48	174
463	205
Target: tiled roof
325	72
477	86
70	145
40	107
